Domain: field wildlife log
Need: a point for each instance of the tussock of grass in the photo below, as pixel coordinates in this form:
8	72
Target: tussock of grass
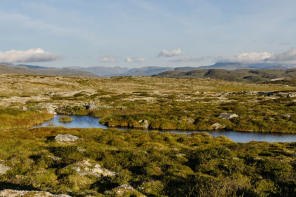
15	118
65	119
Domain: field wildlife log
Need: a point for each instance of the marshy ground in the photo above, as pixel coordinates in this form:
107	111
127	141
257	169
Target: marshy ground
136	163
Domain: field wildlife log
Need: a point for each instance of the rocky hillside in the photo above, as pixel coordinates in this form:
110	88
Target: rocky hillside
244	75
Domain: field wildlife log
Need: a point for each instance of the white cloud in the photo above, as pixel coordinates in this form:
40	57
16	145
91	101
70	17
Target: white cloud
286	56
31	55
138	59
165	53
252	57
189	59
109	58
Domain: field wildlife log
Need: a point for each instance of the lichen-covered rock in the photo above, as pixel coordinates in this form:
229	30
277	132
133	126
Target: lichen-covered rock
91	105
86	167
228	116
66	138
18	193
218	126
50	108
124	190
3	169
144	124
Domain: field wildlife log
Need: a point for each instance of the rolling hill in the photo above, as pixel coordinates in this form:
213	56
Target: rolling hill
37	70
244	75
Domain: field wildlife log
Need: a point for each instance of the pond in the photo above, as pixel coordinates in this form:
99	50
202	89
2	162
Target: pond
77	122
91	122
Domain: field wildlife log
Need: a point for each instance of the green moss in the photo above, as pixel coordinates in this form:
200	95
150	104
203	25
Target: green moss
153	163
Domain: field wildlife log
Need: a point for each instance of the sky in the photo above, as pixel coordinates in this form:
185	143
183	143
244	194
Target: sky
138	33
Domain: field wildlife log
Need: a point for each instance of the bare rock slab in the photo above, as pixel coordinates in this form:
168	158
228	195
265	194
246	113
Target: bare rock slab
18	193
228	116
218	126
86	167
66	138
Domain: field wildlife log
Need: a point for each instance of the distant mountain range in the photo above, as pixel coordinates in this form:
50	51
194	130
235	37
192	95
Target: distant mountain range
38	70
122	71
239	66
104	71
150	71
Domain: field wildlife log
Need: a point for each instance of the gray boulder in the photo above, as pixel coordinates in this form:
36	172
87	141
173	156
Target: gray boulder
218	126
227	116
66	138
3	169
144	124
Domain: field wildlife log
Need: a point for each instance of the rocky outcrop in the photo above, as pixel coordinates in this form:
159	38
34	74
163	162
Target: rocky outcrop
86	167
227	116
218	126
3	169
50	108
91	105
18	193
66	138
124	190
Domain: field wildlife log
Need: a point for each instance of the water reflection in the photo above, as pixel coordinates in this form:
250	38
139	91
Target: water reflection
91	122
77	122
247	137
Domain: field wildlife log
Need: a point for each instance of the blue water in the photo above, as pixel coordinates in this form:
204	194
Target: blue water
91	122
77	122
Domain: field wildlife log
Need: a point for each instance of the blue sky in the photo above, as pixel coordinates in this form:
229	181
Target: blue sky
136	33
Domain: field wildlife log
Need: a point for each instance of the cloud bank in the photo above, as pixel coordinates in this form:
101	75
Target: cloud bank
139	59
109	58
31	55
286	56
254	57
165	53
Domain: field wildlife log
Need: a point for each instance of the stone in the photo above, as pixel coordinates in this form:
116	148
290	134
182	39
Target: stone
91	105
277	79
123	188
144	124
86	167
3	169
66	138
291	95
80	149
17	193
227	116
218	126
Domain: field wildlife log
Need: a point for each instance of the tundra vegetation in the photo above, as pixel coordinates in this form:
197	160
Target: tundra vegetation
65	119
113	162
